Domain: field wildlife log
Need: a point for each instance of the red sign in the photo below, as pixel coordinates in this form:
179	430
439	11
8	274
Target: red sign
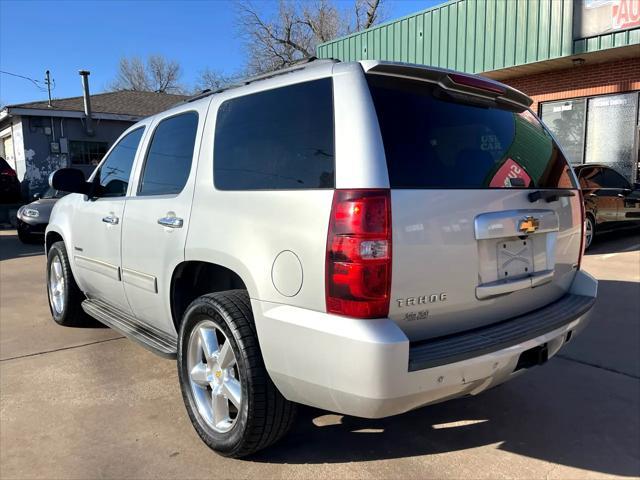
597	17
626	13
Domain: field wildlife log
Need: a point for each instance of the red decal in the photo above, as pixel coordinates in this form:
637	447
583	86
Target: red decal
509	169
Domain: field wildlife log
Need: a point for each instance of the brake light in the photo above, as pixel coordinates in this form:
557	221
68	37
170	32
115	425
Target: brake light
8	173
358	262
478	83
583	232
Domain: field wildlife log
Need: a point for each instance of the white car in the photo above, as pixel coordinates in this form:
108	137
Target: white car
363	237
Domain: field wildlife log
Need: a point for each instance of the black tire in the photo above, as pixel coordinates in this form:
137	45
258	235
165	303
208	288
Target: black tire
589	240
264	415
71	314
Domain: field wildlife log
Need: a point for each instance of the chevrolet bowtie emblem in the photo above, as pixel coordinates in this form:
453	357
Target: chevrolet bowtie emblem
528	225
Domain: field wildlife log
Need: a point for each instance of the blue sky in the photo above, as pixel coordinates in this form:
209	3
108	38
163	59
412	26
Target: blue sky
66	36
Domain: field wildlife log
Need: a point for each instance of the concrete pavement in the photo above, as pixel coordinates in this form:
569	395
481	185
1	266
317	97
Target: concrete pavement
84	403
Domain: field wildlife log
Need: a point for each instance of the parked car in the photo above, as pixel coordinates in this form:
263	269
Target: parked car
34	217
611	201
313	236
9	183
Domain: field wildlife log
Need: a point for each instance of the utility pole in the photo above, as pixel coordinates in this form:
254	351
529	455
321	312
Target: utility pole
48	82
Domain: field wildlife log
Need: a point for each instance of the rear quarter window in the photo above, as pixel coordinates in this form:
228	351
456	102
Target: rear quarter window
432	141
276	139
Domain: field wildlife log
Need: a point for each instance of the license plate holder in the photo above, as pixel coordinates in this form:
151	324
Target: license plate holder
514	258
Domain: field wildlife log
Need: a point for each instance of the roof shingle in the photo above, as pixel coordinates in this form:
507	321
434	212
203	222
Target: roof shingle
123	102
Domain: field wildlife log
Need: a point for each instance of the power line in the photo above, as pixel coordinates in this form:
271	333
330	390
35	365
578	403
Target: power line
35	82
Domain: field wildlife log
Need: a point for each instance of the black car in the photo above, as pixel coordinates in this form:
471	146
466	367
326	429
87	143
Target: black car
9	183
610	200
34	217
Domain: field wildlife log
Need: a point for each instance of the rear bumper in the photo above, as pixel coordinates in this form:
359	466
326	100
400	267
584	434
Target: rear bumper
364	367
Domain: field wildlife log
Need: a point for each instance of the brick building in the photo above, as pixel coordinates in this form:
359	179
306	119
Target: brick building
578	59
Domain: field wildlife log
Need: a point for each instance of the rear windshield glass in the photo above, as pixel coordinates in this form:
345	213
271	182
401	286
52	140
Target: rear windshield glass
431	141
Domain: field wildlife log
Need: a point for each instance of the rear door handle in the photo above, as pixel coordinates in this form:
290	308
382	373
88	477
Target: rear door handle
171	222
111	219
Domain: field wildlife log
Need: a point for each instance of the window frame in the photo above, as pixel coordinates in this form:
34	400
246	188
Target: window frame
635	171
585	100
279	87
85	142
149	142
95	176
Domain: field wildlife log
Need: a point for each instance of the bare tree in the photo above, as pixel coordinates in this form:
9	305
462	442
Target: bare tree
366	13
157	74
297	29
211	80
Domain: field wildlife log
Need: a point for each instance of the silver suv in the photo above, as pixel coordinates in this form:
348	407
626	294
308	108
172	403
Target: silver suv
366	238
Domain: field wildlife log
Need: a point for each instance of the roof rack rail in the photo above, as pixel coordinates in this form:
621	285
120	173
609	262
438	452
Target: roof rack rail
292	68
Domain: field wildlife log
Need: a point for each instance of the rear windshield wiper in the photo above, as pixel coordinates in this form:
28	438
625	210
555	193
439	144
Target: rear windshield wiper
550	195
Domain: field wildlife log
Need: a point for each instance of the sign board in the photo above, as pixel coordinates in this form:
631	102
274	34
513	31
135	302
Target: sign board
596	17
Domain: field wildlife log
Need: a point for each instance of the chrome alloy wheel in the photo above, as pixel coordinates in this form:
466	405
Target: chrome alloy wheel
213	376
57	285
588	233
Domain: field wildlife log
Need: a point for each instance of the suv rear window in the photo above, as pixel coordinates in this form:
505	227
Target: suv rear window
431	141
276	139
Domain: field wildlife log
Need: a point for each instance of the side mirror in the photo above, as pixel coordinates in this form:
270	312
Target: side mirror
69	180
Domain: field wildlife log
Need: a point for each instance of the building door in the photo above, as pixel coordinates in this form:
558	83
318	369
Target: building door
7	147
611	129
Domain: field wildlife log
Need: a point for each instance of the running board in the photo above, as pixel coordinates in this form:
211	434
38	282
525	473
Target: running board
149	337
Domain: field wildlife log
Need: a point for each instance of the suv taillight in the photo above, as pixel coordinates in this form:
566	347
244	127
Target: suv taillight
358	268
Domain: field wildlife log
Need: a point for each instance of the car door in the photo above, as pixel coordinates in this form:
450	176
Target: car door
626	202
97	225
157	216
596	192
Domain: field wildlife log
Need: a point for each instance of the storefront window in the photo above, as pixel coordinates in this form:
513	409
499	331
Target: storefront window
611	129
566	120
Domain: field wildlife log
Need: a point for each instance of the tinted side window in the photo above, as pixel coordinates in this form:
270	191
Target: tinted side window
278	139
586	177
612	179
170	155
114	173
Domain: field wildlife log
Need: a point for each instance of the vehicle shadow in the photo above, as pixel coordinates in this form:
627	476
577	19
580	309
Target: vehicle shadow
614	241
510	416
12	247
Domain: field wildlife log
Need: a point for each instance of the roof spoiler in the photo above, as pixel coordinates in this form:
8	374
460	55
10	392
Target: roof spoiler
454	82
